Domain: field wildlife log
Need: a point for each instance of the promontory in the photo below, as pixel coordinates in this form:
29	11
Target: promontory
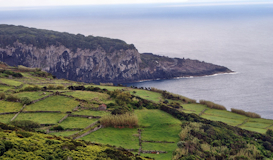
92	59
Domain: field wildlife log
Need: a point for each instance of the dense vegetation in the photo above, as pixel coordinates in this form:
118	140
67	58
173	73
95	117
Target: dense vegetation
43	38
19	144
147	121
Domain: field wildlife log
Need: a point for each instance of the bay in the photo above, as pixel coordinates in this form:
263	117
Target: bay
239	37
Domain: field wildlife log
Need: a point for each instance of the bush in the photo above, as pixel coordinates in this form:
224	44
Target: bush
269	132
58	128
25	124
2	95
212	105
120	110
50	87
181	144
120	121
60	87
12	98
29	88
25	100
248	114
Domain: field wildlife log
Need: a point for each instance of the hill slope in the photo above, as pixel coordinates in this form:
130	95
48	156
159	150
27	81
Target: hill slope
166	130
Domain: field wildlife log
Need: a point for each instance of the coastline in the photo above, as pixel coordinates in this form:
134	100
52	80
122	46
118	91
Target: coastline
158	79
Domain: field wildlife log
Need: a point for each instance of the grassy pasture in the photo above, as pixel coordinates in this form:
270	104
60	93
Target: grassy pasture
10	106
10	82
193	108
4	88
42	118
233	122
169	147
91	96
76	122
158	125
126	137
54	103
259	130
226	114
32	95
255	125
152	96
6	118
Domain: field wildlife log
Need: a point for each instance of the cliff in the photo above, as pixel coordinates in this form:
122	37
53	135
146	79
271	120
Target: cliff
91	59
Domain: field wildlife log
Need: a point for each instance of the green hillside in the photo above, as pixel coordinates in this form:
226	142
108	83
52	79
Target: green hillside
147	122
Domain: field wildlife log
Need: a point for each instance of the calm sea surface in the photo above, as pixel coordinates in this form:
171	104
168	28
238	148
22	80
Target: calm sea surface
239	37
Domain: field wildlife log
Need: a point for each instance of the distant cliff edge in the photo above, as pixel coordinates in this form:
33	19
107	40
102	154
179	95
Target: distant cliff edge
92	59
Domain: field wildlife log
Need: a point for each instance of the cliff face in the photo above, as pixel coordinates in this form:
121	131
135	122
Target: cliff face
91	59
82	65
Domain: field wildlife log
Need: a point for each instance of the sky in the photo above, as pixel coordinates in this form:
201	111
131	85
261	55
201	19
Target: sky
33	3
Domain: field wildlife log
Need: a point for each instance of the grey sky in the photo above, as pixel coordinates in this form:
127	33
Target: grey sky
31	3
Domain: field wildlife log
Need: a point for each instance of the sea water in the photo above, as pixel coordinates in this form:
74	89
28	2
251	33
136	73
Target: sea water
239	37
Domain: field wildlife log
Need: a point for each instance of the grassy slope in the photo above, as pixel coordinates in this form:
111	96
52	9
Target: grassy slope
156	125
76	122
32	95
54	103
43	118
10	106
126	137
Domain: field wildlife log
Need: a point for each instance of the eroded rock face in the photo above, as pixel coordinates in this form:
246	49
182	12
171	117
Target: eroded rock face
99	66
83	65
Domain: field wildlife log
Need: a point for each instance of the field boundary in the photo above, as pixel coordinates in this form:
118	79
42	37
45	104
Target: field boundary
18	113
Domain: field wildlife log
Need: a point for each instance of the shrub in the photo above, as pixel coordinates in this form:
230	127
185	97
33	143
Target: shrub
2	95
181	144
212	105
253	115
60	87
25	100
120	121
248	114
58	128
50	87
12	98
29	88
25	124
120	110
269	132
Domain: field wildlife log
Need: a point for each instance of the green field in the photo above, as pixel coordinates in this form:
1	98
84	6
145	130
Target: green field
4	88
53	103
32	95
42	118
193	108
91	96
76	122
6	118
10	82
152	96
126	138
168	147
10	106
158	125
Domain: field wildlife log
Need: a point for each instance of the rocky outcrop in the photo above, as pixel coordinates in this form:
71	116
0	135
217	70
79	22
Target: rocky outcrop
92	59
83	65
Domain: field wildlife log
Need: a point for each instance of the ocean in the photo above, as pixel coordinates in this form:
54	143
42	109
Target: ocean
238	36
